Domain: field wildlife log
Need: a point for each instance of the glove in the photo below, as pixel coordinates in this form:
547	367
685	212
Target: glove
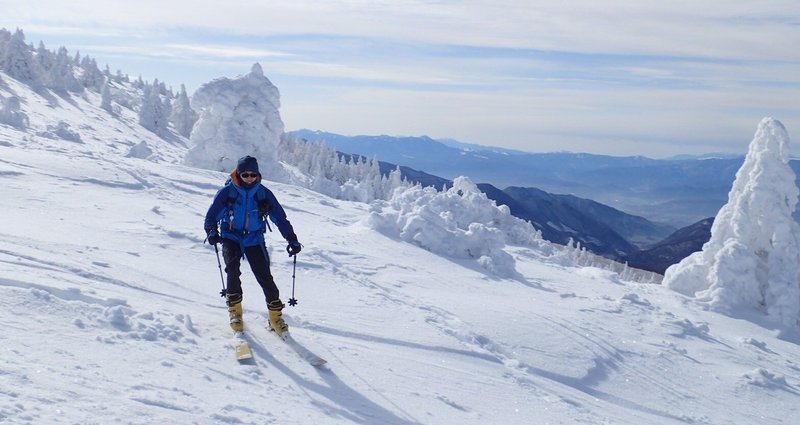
213	237
293	248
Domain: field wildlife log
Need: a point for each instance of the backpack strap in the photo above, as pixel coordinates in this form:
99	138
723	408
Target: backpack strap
232	195
263	204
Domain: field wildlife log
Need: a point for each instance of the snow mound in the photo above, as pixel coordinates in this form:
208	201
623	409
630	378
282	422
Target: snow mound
460	222
11	113
140	150
62	130
751	260
237	117
763	378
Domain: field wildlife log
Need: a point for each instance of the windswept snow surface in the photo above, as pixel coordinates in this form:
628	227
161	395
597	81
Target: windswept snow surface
110	312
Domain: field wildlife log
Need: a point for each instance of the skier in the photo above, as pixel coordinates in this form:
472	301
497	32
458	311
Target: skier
240	208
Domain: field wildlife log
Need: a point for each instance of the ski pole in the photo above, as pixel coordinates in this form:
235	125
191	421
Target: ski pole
224	291
293	300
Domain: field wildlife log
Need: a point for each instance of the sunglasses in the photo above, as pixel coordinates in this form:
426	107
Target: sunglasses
249	175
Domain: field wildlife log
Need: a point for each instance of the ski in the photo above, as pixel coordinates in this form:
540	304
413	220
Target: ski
241	348
302	351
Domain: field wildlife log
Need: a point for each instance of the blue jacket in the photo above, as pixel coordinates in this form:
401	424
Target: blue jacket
238	213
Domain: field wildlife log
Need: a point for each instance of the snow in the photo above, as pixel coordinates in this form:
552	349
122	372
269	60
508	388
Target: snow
111	314
751	261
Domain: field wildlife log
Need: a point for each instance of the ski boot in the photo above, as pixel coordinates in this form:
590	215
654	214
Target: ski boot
234	302
276	322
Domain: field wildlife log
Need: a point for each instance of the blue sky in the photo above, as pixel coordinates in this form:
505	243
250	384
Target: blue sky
615	77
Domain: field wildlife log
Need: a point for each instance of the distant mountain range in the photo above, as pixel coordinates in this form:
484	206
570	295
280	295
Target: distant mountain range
676	192
599	228
648	212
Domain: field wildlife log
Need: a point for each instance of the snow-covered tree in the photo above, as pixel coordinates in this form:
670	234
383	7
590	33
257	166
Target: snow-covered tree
324	170
91	78
183	116
45	61
5	36
119	78
152	113
237	117
105	100
146	110
61	76
166	104
752	260
17	60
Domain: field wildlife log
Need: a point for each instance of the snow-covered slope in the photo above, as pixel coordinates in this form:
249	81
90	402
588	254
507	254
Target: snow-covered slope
110	312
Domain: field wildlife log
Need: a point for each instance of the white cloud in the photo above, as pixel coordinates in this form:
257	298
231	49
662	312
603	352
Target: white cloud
711	28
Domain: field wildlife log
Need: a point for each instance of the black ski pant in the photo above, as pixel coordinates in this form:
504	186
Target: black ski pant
258	258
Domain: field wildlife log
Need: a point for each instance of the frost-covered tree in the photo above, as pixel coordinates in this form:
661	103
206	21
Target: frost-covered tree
45	61
105	100
5	36
183	116
119	78
61	76
237	117
146	110
152	113
166	104
752	260
91	78
17	60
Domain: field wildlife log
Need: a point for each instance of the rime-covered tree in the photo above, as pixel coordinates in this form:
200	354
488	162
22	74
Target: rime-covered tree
17	60
752	260
92	78
152	113
237	117
119	78
5	36
353	178
61	76
183	116
45	61
105	101
146	110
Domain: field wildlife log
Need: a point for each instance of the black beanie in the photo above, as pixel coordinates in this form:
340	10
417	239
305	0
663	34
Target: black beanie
247	163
